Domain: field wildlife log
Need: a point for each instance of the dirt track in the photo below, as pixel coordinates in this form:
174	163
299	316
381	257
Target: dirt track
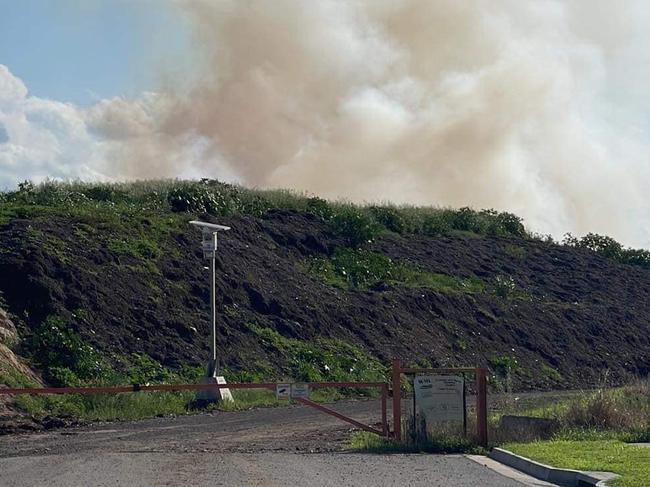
257	447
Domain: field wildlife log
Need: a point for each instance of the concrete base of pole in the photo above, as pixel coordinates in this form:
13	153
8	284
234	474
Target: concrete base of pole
213	395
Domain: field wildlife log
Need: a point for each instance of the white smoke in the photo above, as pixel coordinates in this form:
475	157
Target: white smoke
539	107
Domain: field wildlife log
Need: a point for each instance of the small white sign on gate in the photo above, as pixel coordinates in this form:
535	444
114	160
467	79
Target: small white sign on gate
282	391
299	390
439	398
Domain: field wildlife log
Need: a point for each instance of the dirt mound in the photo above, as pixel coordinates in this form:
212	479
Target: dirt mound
10	366
552	316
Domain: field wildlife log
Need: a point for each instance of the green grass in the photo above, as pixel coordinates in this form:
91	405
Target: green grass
95	203
362	269
356	224
631	462
67	361
320	359
363	441
621	414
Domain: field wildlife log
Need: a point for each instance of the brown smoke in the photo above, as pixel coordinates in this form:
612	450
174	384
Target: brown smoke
487	103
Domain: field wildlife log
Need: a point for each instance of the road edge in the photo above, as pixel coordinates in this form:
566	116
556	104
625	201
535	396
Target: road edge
509	472
563	477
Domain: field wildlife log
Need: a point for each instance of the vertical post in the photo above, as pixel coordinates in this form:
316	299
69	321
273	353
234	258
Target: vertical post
213	301
397	401
464	407
481	407
384	419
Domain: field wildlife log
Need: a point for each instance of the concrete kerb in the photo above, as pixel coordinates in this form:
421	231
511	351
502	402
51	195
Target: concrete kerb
559	476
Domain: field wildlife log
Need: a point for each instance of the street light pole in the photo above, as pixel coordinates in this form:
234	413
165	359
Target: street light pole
213	304
209	247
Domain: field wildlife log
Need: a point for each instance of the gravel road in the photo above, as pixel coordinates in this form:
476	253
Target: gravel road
281	446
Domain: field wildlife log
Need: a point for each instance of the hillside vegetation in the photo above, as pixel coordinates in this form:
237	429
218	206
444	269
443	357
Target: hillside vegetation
106	284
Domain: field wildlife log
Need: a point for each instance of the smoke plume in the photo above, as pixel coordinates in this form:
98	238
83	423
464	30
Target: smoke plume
539	107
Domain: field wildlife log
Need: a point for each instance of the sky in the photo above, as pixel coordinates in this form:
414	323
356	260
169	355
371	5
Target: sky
81	51
537	107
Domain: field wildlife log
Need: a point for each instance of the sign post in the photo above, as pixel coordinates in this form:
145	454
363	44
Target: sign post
282	391
440	398
299	390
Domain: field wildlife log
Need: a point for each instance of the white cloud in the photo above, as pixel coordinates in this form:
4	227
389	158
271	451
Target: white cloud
43	138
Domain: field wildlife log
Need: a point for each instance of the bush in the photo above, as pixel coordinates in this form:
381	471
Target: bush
62	354
355	226
504	286
389	217
610	248
319	207
636	257
437	223
605	246
195	199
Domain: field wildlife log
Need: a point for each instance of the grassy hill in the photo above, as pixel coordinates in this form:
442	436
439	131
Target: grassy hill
106	284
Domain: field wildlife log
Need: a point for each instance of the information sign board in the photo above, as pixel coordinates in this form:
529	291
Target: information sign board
439	398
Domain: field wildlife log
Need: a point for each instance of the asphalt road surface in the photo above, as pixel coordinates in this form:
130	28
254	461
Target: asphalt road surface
287	446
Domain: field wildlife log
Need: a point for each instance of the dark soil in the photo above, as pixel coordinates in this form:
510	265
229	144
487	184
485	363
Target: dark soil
582	315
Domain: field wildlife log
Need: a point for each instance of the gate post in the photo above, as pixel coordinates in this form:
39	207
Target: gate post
481	407
397	400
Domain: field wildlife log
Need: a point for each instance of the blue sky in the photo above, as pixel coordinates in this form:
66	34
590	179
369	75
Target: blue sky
83	50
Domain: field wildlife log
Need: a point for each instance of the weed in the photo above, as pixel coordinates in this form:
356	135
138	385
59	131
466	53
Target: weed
139	248
504	286
460	344
551	374
96	201
515	251
362	269
321	359
503	366
64	357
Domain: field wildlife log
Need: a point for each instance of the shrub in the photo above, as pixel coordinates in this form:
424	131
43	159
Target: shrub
437	223
511	224
504	286
610	248
319	207
355	226
467	220
604	411
636	257
194	199
389	217
605	246
63	355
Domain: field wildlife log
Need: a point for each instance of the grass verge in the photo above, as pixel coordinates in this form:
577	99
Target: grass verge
631	462
362	441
